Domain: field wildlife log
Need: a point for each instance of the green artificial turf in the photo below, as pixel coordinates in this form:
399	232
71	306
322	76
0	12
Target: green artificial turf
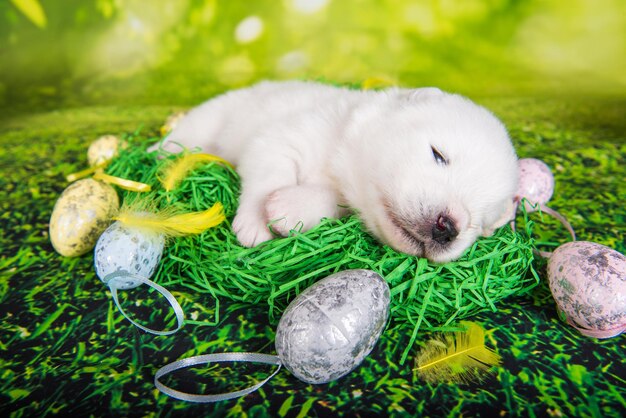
67	350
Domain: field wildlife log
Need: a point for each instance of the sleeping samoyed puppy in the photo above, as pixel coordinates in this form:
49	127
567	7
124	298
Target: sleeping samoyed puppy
427	171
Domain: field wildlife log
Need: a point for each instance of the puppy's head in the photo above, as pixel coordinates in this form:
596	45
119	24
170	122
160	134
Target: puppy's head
434	171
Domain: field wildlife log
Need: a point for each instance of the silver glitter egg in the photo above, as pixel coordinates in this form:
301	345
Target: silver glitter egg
329	329
129	251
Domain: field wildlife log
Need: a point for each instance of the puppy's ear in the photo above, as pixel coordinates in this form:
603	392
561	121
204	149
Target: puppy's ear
506	217
424	93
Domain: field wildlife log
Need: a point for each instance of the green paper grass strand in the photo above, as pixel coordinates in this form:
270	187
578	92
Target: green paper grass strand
425	295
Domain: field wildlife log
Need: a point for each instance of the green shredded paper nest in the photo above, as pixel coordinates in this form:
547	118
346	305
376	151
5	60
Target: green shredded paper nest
424	295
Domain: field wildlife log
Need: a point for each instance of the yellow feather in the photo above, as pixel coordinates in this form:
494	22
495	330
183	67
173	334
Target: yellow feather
173	225
459	357
173	173
377	82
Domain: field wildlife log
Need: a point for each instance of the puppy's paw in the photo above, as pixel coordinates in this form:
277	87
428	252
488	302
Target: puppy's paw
250	229
282	212
298	207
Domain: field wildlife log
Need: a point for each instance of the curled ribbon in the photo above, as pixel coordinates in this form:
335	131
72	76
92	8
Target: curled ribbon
215	358
86	172
98	174
121	280
545	209
133	186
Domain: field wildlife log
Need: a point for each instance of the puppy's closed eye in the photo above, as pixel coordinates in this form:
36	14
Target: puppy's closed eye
438	156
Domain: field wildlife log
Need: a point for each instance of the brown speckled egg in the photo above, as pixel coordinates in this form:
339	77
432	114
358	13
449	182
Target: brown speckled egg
536	182
104	148
82	212
588	283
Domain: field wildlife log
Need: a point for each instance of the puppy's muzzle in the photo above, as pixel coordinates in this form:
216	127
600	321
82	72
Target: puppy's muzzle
444	230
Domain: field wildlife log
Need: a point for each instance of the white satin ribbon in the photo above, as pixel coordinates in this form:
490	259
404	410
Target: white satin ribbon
120	280
545	209
214	358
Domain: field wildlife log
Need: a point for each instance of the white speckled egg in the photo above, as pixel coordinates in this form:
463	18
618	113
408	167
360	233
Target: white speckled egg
536	182
104	148
80	215
588	282
333	325
127	250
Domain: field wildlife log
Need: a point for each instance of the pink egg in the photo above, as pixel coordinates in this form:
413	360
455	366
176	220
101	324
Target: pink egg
588	283
536	182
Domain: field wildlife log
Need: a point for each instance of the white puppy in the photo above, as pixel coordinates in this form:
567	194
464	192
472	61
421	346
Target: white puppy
427	171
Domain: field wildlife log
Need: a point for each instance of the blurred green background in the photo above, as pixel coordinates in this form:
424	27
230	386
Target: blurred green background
59	53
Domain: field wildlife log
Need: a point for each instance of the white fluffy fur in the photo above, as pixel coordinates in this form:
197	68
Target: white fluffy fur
305	151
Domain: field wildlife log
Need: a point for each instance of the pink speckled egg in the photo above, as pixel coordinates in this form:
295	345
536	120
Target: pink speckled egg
536	182
588	283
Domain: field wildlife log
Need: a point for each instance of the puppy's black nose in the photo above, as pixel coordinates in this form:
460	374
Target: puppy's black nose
444	230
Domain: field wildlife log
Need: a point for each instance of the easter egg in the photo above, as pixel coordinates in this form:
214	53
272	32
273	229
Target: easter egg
127	251
104	148
333	325
588	283
81	213
536	182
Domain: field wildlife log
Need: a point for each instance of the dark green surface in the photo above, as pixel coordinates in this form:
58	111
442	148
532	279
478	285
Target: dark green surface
552	69
66	349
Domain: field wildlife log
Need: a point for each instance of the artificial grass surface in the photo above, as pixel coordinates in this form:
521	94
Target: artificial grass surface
65	348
